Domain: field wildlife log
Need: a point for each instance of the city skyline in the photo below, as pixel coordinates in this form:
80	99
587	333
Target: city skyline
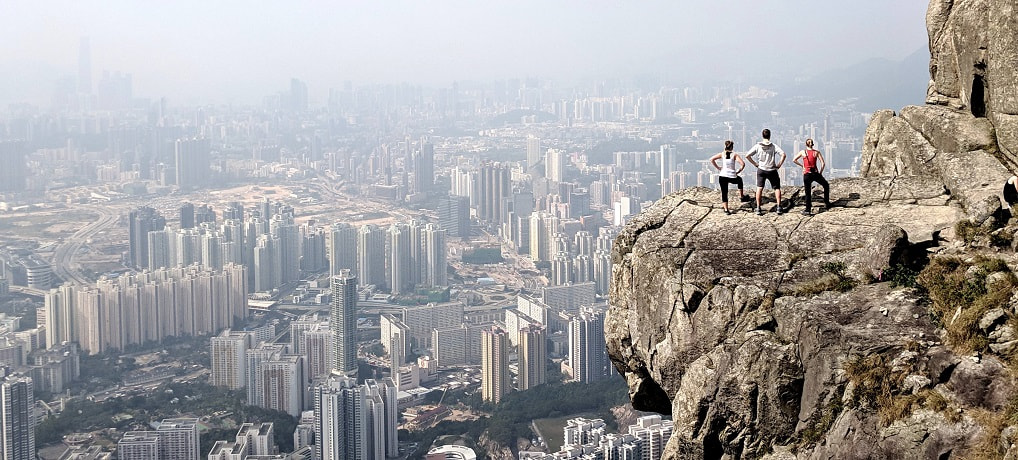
247	54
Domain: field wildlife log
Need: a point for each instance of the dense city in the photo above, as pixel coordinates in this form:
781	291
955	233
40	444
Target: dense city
397	271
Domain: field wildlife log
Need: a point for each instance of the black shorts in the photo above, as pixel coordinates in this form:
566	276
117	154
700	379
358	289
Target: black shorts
763	176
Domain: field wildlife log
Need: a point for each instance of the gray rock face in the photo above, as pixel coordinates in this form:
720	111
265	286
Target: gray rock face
974	66
748	330
705	322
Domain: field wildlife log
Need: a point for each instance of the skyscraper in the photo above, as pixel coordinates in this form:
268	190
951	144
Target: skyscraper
179	439
191	162
12	166
495	185
555	165
282	226
140	445
343	322
435	265
588	357
423	168
533	355
342	248
229	358
17	417
494	364
400	268
371	255
355	422
312	248
454	216
535	163
187	215
141	221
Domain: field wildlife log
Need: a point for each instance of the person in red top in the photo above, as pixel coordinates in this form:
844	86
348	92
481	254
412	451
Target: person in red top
812	162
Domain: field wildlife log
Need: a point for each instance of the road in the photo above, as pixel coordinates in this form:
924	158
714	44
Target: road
63	257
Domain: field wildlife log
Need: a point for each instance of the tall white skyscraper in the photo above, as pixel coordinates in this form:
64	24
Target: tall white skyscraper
17	417
343	322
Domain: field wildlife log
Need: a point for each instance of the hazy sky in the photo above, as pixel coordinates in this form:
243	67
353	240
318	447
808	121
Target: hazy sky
220	51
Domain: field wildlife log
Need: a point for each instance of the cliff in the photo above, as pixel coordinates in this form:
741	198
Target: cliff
882	328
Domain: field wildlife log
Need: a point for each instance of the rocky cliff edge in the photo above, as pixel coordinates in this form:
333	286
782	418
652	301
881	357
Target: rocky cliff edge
884	327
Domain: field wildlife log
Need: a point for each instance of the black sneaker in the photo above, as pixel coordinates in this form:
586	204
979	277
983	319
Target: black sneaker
759	212
779	209
727	212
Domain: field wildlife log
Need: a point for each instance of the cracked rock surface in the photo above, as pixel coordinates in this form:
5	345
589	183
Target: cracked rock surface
705	324
735	324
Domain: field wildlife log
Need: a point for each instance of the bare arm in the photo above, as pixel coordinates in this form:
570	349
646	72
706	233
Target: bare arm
821	162
742	164
798	156
714	161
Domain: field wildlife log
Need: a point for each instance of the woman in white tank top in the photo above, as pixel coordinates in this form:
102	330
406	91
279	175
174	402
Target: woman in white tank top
728	173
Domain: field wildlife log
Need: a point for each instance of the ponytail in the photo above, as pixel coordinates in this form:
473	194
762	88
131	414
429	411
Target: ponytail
729	145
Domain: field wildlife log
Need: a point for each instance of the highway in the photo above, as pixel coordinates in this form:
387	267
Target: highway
63	257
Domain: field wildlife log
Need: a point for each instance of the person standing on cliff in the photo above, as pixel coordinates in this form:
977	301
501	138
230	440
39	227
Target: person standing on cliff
812	162
728	173
767	169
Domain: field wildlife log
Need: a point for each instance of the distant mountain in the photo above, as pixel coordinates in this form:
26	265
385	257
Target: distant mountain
878	83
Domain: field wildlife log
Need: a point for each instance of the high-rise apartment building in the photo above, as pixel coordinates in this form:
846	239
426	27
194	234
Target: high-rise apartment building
400	261
139	445
371	256
423	160
342	247
282	227
495	186
395	337
454	216
343	322
355	422
17	417
179	439
191	162
141	221
494	364
436	270
149	306
535	159
229	359
588	358
533	357
12	166
555	165
312	248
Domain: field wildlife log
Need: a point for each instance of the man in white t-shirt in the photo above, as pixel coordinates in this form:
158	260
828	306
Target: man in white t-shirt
767	169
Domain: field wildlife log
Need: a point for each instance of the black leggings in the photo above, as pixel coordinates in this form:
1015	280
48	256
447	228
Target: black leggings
724	181
808	179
